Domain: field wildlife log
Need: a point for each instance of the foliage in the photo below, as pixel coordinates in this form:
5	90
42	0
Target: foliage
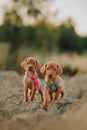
42	36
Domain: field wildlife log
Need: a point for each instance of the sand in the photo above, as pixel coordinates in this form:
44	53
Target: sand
66	114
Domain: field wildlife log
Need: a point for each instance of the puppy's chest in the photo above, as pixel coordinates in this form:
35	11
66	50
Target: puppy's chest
30	81
53	85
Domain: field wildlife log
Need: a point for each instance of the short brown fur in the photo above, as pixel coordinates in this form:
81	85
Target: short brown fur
31	65
51	70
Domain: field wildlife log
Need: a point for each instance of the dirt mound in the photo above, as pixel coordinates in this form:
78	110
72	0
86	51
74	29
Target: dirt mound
64	114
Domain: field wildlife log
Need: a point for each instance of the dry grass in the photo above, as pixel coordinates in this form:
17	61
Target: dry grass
70	62
74	61
4	50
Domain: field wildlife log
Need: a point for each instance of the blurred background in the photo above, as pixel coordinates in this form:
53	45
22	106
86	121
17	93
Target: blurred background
46	29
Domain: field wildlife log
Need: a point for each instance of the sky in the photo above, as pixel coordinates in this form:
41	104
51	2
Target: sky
75	9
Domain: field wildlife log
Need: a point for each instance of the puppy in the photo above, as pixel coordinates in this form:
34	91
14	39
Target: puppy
30	80
54	85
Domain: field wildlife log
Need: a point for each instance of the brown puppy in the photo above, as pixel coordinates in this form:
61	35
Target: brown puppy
31	81
53	82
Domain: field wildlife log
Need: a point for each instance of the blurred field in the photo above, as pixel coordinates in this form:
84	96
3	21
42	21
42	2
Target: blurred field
72	63
41	38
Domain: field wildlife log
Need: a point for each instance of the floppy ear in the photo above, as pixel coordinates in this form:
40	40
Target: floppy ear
43	69
38	65
23	64
59	70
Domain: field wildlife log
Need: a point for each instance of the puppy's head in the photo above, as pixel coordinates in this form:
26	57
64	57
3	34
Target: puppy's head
30	64
51	69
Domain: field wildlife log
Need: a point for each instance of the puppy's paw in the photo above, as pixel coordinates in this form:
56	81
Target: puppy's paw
25	100
44	106
54	99
51	99
62	94
30	100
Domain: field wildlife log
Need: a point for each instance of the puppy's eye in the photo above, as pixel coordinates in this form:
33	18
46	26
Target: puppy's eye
54	69
47	68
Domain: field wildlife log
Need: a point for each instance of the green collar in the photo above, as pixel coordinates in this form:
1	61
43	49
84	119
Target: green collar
52	85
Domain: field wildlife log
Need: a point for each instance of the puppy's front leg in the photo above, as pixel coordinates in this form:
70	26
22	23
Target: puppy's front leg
25	89
32	93
25	93
46	90
51	96
41	95
57	93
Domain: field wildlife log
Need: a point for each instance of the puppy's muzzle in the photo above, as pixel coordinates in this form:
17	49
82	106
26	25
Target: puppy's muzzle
50	75
30	68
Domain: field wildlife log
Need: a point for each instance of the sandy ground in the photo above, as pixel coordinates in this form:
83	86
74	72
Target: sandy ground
66	114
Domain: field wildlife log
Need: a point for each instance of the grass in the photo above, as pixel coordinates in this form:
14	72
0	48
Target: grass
4	50
70	62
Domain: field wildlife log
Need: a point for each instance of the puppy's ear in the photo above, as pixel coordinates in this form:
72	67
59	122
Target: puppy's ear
23	64
43	69
59	70
38	65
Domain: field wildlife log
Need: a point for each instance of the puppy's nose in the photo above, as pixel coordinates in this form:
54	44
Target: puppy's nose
30	67
50	75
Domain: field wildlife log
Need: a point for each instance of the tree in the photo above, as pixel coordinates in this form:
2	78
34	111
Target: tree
13	25
68	39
